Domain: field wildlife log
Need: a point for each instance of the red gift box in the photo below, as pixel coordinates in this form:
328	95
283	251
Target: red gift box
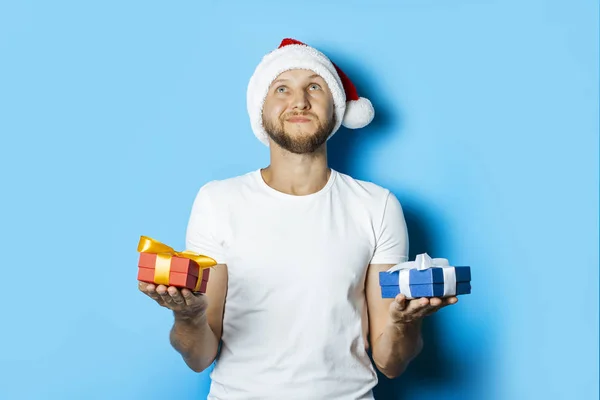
183	272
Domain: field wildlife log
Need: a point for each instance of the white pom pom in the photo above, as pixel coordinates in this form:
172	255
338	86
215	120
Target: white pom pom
359	113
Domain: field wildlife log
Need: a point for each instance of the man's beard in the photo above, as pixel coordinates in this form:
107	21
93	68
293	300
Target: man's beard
302	144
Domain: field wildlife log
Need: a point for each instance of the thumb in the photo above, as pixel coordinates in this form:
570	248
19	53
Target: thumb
189	297
399	303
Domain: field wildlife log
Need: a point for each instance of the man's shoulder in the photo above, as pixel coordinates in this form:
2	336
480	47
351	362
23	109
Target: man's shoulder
362	188
228	186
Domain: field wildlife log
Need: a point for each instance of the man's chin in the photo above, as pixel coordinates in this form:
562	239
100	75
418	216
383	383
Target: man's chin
300	134
298	143
300	130
299	138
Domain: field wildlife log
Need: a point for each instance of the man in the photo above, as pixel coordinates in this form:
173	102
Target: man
294	304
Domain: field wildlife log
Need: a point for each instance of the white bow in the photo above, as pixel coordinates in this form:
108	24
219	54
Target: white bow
423	262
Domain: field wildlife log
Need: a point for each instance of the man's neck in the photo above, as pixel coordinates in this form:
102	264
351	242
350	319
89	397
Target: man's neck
297	174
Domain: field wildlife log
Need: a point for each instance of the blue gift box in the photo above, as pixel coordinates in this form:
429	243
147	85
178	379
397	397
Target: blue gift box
425	283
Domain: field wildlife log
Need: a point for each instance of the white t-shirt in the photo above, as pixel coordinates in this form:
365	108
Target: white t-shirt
295	321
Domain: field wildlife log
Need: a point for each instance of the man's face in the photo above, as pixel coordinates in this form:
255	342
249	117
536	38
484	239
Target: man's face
298	111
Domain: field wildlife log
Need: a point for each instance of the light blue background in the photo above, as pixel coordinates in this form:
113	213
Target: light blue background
113	114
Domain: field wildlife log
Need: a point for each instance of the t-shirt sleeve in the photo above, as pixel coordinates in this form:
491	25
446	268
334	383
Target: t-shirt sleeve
202	232
392	240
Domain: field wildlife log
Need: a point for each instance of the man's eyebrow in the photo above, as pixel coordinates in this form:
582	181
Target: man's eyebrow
281	80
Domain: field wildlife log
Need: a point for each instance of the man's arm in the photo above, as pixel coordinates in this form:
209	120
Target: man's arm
196	332
196	336
393	346
395	324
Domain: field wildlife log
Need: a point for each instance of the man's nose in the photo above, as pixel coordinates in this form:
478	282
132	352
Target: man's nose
300	101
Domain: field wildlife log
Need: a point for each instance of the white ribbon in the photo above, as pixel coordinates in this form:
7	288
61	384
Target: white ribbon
423	262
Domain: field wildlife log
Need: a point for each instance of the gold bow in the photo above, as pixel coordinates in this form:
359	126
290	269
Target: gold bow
164	254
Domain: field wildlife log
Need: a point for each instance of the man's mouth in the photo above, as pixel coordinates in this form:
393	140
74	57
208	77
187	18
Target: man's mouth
298	120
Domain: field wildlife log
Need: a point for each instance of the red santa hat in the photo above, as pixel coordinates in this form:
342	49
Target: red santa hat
351	111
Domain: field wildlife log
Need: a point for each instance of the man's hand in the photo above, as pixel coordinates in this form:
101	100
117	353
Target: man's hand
403	311
184	303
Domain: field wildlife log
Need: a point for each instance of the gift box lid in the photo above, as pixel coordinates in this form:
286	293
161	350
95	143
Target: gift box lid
178	264
424	277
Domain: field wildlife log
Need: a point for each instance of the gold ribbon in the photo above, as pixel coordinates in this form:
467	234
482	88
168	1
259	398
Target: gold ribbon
164	254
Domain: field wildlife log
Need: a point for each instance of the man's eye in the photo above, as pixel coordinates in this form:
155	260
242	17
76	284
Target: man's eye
281	89
314	86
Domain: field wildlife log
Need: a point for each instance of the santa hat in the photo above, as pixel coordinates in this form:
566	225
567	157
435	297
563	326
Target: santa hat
351	111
